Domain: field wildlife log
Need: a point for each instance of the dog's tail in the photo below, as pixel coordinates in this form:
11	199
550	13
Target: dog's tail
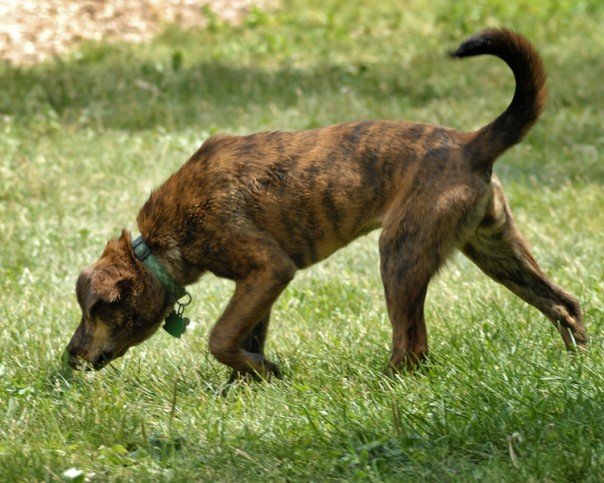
510	127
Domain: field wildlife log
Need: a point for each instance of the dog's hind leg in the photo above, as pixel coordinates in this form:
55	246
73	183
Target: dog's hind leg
500	251
410	254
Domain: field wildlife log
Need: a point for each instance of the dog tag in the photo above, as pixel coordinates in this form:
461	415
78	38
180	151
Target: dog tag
175	324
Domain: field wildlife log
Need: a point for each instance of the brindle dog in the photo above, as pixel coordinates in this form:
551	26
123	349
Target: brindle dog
255	209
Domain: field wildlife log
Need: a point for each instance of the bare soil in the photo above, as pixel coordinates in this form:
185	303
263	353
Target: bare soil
36	30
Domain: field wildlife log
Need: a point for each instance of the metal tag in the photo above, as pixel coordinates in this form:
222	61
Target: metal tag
175	324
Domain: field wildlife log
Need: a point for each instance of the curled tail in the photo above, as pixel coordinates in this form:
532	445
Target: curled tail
510	127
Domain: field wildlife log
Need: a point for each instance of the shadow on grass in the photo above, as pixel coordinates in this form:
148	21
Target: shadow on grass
117	89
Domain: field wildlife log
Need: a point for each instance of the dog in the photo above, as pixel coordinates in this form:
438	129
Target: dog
255	209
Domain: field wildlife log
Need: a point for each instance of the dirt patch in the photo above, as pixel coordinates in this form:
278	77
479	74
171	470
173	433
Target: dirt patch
35	30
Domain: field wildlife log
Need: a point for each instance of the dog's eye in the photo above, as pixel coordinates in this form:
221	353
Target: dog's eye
109	314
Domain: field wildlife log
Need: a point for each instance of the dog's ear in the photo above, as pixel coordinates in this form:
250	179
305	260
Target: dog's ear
107	285
125	241
119	250
111	278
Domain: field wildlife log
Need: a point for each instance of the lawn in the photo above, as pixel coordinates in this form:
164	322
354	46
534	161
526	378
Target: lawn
83	141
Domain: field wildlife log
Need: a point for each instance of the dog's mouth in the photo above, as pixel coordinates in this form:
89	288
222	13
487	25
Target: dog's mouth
104	359
80	364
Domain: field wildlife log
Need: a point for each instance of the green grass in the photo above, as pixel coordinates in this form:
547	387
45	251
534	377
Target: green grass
83	141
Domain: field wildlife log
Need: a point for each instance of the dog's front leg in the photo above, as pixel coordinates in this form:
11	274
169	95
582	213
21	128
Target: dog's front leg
254	343
249	309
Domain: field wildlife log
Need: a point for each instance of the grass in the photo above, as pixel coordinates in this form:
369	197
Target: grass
84	139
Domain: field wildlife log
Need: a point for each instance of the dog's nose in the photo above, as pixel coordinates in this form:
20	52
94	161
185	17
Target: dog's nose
75	362
70	359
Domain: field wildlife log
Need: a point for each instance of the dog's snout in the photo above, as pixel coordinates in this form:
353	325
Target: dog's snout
89	347
75	362
71	351
74	356
72	359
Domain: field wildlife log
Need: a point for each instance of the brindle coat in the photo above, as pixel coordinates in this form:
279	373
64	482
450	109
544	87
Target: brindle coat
257	208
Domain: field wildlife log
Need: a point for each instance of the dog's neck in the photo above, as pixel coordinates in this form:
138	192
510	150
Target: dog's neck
170	257
144	254
164	223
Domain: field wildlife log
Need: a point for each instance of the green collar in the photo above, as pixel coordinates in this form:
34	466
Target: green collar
143	253
175	323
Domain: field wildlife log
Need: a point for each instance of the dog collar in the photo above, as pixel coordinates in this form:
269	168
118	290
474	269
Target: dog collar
175	324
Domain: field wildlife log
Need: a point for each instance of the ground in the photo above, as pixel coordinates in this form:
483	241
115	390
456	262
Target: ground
84	138
36	30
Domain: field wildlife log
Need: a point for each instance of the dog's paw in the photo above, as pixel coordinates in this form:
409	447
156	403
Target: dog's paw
272	370
266	372
408	364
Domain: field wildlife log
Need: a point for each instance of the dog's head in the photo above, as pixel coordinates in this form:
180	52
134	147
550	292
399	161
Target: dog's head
122	305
